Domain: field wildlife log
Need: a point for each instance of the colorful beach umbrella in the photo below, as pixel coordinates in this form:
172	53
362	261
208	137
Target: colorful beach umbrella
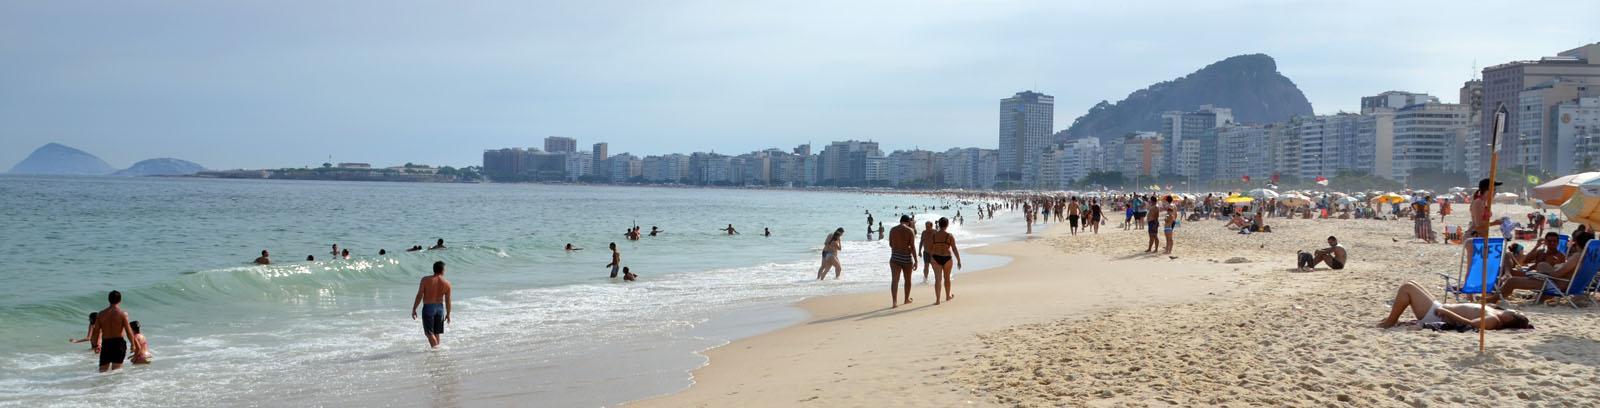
1238	199
1294	200
1261	194
1390	198
1558	191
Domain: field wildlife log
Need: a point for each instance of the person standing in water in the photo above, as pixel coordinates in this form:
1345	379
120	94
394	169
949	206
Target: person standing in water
110	338
730	230
880	227
616	260
830	254
940	248
434	296
94	319
263	259
439	245
335	251
766	232
139	342
902	259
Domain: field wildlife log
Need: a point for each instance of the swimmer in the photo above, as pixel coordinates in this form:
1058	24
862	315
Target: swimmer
382	252
414	248
571	248
93	317
263	259
654	230
345	254
335	251
766	232
112	334
143	355
439	245
628	275
730	230
310	258
616	260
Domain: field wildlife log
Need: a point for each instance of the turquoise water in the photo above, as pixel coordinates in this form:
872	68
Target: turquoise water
532	322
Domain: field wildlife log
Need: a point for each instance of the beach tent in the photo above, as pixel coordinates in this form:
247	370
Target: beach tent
1558	191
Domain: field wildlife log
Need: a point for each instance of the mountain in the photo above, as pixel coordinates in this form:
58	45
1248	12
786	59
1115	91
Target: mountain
161	167
58	159
1248	84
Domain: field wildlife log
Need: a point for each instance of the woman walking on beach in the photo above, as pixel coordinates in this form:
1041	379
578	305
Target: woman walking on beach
940	249
830	254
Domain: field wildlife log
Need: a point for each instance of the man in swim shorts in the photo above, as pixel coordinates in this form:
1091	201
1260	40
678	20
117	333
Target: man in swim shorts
110	338
902	258
435	291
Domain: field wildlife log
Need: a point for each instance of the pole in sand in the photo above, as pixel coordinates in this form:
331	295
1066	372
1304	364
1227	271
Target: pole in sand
1483	232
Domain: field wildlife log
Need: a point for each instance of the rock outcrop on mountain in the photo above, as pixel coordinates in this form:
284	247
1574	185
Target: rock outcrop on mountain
58	159
161	167
1250	85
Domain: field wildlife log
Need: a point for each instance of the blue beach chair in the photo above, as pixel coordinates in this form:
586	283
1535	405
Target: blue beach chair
1469	282
1581	280
1562	246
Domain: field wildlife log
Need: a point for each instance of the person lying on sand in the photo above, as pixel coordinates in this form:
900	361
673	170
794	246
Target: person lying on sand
1427	310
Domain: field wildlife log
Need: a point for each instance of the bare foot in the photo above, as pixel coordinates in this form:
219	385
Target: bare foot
949	297
908	301
1385	325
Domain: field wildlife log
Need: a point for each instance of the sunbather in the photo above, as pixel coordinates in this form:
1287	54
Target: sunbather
1558	273
1427	310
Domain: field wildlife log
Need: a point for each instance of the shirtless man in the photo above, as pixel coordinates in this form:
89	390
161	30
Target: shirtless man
1334	255
940	248
654	230
902	258
1426	310
1558	269
439	245
616	260
766	232
263	259
335	251
730	230
108	338
434	296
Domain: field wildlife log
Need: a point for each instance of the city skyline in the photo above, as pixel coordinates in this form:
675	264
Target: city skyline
414	84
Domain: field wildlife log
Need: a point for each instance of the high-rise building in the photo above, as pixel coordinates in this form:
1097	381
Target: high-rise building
1504	83
1142	155
625	168
1394	100
1244	150
598	154
1424	135
845	163
557	144
579	165
912	167
1190	138
1577	130
1536	120
1027	120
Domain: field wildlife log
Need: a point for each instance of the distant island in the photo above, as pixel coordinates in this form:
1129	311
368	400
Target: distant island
161	167
59	159
357	172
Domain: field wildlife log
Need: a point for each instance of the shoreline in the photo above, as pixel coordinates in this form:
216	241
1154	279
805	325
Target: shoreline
856	335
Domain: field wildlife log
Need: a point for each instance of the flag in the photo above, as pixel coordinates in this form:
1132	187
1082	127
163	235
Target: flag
1274	178
1323	181
1246	178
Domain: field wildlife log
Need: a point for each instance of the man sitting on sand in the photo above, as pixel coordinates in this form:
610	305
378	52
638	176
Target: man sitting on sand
1334	255
1427	310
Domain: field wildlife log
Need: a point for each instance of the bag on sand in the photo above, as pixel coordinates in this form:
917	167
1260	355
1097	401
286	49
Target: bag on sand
1305	259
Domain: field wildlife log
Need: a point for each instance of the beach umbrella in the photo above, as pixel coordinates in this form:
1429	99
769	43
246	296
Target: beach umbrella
1347	200
1505	197
1558	191
1238	199
1294	200
1390	198
1262	194
1458	189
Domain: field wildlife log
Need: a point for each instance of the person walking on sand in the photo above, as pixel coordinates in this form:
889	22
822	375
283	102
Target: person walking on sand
434	296
902	259
941	248
616	261
1073	215
922	248
830	254
1095	216
110	339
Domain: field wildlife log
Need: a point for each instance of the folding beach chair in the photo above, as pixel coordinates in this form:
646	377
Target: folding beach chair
1564	243
1581	280
1469	281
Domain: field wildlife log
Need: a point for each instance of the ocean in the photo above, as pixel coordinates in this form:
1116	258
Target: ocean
533	324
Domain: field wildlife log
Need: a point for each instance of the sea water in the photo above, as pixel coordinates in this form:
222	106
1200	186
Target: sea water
533	325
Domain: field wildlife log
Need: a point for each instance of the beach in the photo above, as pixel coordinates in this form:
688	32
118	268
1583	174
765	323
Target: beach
1091	321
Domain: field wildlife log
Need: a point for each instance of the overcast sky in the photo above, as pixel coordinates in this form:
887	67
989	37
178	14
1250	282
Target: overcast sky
247	84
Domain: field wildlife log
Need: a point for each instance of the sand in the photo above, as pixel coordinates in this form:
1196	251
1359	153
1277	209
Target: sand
1092	321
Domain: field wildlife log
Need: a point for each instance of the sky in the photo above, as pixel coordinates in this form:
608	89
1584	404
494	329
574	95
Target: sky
266	84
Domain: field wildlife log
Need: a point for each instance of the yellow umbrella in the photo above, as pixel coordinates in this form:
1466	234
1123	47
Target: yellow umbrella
1390	198
1558	191
1238	199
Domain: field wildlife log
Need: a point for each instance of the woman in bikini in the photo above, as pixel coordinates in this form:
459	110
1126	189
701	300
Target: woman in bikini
941	246
830	254
1427	310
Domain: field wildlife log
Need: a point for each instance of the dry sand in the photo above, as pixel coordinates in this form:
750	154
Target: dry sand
1091	321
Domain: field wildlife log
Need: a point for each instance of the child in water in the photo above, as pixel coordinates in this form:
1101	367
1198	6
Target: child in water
627	275
143	355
